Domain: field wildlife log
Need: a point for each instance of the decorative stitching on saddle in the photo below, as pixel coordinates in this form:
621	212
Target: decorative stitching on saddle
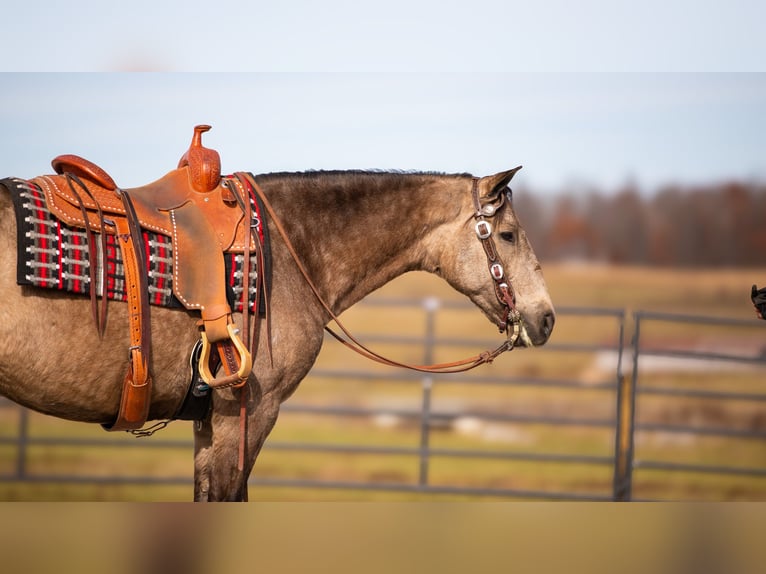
47	183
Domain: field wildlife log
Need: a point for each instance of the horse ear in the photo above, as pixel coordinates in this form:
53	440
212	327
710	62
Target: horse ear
493	185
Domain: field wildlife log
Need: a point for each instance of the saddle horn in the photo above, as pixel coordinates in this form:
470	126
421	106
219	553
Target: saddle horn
204	163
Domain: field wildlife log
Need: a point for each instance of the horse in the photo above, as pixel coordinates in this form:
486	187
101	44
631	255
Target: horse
336	236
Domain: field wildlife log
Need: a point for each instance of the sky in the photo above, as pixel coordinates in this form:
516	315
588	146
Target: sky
567	130
390	36
586	94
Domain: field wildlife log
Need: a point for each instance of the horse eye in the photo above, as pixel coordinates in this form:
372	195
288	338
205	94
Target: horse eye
508	236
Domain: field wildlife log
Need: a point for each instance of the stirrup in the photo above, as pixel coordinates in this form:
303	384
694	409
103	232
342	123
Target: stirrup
235	380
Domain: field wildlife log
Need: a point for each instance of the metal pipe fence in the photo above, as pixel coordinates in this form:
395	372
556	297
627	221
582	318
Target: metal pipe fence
637	391
429	417
621	391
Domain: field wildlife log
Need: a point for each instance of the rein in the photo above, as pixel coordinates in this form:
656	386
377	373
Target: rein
503	291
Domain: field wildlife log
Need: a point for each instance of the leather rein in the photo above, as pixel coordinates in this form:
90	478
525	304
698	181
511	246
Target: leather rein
511	322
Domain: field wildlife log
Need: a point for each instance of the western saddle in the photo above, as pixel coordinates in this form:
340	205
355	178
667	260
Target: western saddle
205	215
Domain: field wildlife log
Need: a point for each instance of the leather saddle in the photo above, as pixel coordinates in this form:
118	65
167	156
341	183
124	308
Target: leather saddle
204	214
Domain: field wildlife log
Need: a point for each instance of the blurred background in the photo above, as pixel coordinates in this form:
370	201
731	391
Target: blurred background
644	196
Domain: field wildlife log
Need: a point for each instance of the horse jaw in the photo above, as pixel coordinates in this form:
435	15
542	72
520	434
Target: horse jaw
467	273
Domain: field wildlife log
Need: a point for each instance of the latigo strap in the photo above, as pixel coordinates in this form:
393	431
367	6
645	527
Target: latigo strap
137	386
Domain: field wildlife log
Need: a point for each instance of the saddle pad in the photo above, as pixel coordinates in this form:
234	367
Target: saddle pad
54	255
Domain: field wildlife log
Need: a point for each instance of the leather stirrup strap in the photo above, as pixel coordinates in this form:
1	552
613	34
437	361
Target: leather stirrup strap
252	337
242	197
262	286
137	385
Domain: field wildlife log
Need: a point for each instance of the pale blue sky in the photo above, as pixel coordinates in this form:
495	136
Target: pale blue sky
572	128
476	86
392	36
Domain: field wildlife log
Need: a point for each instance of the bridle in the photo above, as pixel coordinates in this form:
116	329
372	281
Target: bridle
511	323
503	287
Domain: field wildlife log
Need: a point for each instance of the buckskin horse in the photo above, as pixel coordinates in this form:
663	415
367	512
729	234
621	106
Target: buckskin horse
336	236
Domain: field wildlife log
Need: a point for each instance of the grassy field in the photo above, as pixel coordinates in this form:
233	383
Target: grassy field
723	293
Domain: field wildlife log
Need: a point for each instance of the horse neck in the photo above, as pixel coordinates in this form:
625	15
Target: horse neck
355	231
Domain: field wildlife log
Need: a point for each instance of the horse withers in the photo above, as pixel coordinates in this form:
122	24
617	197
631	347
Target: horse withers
350	231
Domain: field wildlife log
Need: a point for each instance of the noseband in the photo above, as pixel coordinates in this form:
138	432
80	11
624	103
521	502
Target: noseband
503	287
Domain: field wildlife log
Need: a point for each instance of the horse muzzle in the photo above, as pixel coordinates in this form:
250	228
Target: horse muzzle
523	333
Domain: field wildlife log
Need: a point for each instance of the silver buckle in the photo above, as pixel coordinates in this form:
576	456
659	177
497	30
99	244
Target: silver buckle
497	271
483	229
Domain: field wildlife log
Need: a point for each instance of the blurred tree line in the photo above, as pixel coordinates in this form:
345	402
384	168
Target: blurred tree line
720	225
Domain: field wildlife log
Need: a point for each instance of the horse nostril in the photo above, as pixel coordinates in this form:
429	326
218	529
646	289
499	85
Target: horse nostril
548	320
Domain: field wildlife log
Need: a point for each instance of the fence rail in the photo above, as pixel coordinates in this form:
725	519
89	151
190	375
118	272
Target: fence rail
624	392
638	391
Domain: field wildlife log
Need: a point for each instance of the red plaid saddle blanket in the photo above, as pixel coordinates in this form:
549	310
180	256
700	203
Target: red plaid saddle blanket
53	255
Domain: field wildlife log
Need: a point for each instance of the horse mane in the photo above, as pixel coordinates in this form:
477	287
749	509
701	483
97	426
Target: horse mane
328	176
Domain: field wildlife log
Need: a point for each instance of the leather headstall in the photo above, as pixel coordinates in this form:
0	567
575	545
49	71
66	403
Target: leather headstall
503	287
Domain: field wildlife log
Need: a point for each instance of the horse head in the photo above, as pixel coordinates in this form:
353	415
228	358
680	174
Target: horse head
490	259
